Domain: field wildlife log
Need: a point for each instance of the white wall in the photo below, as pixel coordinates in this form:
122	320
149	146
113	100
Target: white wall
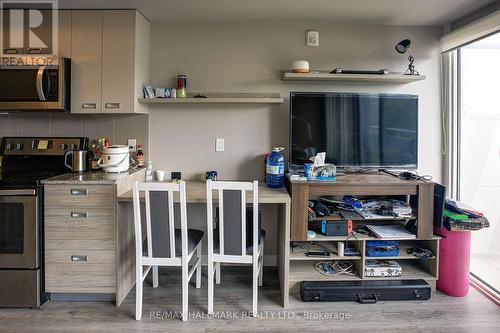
248	57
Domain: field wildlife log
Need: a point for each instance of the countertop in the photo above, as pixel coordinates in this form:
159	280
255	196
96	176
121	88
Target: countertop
90	177
196	192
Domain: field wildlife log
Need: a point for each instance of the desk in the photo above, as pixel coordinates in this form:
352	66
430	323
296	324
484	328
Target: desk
196	193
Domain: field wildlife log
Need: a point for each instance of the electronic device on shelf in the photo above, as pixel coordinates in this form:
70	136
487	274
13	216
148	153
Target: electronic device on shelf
332	228
382	268
348	127
360	71
318	254
380	248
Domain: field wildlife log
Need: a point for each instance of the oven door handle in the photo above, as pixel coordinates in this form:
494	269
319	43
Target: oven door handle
5	193
39	83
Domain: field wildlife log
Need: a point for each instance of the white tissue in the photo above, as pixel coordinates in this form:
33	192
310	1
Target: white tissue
319	159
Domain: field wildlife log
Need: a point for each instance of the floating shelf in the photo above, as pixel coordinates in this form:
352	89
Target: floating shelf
327	76
219	98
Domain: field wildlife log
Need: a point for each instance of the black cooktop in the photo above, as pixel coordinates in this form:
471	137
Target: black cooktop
27	177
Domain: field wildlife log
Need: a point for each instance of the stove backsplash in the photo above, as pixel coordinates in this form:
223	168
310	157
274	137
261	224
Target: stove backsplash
118	128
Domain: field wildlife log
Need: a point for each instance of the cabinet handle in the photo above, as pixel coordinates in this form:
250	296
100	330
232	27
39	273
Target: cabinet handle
10	51
34	50
78	191
112	105
79	215
89	106
79	258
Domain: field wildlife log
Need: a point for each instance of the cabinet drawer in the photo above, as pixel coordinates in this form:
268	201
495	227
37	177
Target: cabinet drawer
79	196
79	271
80	223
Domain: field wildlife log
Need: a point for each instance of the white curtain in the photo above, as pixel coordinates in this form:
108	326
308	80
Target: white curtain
449	118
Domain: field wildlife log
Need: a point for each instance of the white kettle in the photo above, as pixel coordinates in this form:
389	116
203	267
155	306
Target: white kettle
114	158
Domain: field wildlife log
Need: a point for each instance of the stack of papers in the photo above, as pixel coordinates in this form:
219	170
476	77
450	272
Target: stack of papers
390	232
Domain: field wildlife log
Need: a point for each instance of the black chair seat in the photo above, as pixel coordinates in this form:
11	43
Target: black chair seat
194	237
249	244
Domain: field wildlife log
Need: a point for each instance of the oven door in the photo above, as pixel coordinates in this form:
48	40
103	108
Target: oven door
19	229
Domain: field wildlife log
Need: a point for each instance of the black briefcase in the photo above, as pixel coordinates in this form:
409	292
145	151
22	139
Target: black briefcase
364	291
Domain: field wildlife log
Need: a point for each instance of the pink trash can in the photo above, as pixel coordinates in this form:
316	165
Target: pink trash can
454	262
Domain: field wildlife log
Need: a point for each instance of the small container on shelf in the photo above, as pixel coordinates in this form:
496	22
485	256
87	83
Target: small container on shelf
181	86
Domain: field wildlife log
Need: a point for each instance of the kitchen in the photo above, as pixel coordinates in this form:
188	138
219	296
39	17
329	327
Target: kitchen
96	114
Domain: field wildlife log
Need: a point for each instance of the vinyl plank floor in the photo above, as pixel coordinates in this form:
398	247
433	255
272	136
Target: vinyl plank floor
162	306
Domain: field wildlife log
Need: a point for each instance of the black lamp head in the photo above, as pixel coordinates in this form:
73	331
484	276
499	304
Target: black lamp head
403	46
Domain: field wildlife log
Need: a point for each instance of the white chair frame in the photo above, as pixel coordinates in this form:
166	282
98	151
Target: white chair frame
215	259
151	262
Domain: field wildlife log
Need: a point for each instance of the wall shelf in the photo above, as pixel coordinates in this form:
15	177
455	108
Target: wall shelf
326	76
219	98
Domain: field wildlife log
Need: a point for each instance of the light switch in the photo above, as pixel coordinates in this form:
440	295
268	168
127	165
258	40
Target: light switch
219	144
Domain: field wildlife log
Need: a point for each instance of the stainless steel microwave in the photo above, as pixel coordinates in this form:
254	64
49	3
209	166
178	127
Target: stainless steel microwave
35	88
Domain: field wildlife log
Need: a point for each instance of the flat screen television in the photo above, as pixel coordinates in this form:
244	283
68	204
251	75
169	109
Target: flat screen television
355	130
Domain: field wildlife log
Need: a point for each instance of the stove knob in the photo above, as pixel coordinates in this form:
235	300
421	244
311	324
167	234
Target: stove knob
9	146
19	146
63	146
74	146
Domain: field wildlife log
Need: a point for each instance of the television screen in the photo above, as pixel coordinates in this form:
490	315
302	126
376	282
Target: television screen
355	130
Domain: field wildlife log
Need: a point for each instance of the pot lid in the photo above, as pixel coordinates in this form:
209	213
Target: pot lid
115	149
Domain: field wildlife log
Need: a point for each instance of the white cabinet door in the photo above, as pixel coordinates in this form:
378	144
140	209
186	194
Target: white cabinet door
118	37
86	62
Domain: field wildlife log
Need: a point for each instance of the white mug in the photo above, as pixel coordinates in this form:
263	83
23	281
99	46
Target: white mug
160	175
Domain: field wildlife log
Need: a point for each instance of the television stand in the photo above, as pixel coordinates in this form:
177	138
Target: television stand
299	267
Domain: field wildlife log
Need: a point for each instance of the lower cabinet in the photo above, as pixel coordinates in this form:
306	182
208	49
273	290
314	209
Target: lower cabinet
80	239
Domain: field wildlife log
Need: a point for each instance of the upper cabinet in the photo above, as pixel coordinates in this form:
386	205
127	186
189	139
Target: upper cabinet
109	61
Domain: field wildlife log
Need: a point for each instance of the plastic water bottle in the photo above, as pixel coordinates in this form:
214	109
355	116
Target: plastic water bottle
275	169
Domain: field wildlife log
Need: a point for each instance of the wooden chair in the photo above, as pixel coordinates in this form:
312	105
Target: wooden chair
174	247
228	244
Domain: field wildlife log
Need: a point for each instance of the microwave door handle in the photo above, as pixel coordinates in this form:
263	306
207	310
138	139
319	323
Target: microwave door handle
39	83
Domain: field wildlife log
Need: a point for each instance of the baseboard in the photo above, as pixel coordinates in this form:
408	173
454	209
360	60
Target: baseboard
81	297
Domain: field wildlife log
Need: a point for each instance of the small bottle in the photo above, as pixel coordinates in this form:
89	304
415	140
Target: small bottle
149	172
181	85
140	156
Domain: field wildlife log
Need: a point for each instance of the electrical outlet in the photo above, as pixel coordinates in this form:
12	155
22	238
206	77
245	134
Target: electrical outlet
312	38
219	144
132	145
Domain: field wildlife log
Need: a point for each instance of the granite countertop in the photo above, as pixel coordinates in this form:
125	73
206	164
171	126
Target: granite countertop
90	177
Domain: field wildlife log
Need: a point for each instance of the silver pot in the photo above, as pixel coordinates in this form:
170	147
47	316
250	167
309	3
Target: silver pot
76	160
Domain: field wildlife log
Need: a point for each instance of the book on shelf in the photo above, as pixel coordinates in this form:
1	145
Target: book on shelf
390	232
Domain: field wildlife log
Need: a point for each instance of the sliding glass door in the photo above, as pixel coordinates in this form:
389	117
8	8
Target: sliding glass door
479	150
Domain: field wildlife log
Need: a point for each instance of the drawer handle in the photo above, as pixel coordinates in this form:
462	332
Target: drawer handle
78	258
78	191
11	51
34	50
112	105
79	215
89	106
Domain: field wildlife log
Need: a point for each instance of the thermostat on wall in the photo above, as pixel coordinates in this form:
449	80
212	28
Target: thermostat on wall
312	38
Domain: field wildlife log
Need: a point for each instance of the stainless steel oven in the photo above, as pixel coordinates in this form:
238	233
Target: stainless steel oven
19	248
19	229
35	88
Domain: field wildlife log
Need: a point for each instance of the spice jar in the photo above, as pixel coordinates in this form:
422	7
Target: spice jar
181	85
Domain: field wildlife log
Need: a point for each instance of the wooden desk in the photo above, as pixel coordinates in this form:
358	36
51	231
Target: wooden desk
196	193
